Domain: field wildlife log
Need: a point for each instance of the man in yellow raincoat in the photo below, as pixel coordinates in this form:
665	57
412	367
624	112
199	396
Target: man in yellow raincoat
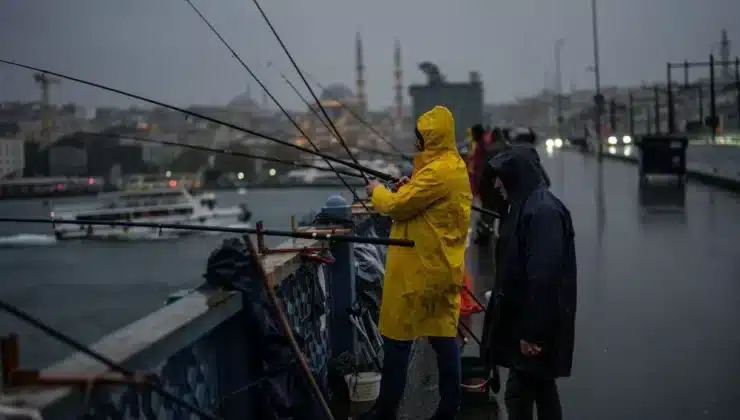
421	290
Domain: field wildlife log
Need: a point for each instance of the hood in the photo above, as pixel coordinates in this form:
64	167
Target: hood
532	153
519	172
436	127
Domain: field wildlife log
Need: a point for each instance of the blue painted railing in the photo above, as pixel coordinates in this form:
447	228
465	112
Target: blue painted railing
205	349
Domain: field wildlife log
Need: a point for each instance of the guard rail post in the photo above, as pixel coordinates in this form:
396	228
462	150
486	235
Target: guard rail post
341	284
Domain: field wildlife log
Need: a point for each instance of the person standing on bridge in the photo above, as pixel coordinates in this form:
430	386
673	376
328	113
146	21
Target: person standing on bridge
422	286
490	197
475	158
530	320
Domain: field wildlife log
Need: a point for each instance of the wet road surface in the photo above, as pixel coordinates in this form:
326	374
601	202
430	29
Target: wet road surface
659	297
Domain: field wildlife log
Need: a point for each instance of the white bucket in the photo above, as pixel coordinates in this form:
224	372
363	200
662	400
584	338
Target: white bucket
363	386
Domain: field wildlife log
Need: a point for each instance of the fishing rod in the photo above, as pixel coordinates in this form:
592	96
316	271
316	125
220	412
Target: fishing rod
223	229
378	174
352	165
220	151
313	94
355	115
369	126
305	102
402	155
323	122
287	330
385	153
267	91
63	338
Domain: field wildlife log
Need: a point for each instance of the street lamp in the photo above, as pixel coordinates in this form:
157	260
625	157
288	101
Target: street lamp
598	98
559	88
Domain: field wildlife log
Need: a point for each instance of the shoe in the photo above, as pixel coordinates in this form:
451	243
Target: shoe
376	414
438	415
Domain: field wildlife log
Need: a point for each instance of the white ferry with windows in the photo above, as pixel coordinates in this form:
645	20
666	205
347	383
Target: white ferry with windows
154	205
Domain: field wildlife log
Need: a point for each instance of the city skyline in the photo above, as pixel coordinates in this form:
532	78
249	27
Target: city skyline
163	50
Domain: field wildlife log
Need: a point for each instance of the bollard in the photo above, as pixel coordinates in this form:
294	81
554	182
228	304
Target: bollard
341	291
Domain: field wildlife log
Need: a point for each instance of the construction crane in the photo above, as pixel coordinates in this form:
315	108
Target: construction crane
45	81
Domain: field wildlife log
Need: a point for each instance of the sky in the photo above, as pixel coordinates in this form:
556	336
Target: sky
161	49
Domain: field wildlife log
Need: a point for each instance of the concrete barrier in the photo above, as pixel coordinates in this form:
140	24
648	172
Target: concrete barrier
200	346
717	165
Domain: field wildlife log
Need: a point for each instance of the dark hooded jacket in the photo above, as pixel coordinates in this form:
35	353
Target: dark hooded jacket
491	198
534	296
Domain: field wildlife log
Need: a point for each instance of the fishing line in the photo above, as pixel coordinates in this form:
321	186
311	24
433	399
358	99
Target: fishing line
267	91
266	232
63	338
220	151
385	153
465	288
323	122
315	98
356	166
358	118
352	165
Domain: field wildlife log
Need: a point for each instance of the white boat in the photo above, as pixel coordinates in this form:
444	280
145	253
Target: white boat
152	205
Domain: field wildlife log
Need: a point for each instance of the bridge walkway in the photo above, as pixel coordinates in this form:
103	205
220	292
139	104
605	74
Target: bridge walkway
659	298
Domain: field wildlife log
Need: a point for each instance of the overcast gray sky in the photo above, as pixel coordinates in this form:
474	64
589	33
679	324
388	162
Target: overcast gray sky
160	48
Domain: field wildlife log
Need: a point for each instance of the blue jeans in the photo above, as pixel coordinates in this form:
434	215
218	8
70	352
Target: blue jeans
395	367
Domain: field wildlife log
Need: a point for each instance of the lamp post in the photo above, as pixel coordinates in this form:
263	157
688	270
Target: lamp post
598	98
559	88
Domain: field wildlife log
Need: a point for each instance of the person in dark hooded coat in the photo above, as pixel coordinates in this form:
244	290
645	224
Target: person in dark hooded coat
530	320
491	198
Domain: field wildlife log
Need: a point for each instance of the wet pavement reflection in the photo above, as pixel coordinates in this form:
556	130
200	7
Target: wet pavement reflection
659	294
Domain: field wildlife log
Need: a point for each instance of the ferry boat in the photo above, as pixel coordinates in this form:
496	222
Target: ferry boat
153	205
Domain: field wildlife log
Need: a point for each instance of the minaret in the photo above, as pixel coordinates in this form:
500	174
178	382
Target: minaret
724	54
360	88
398	86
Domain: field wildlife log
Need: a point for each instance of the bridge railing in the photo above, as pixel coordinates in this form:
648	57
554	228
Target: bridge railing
210	346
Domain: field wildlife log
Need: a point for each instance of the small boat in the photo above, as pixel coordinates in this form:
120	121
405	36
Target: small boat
152	205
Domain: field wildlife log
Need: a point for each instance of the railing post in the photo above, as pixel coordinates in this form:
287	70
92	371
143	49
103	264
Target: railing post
341	291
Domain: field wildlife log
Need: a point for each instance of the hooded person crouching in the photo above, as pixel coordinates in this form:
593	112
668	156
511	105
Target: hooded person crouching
421	290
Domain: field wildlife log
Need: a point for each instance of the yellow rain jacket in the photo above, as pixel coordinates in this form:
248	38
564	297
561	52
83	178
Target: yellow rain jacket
421	290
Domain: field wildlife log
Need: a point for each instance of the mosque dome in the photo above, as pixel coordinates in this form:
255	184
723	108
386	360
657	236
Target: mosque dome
338	92
243	100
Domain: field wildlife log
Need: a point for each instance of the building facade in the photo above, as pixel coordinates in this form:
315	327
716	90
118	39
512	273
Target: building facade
465	100
12	153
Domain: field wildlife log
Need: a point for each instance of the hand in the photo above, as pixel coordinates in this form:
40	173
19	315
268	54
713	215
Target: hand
528	349
371	186
401	182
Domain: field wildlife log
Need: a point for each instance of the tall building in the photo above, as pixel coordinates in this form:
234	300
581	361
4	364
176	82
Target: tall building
724	56
398	87
464	99
12	152
360	63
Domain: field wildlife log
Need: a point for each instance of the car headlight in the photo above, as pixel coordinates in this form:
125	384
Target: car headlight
549	143
626	139
612	140
558	142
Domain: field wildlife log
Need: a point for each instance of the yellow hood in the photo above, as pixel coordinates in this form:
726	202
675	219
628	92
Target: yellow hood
437	128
